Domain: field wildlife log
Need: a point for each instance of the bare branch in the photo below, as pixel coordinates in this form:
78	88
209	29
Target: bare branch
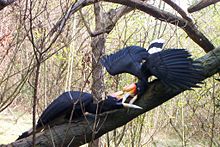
201	4
187	26
115	15
191	30
111	19
178	9
80	131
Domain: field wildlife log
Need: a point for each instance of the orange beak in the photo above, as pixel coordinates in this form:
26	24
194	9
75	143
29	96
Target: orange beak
131	89
118	95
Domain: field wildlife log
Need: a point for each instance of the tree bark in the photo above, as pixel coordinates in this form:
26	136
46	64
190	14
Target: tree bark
104	24
178	9
201	4
80	131
98	49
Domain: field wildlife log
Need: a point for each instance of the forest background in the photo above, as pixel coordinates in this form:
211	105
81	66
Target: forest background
46	49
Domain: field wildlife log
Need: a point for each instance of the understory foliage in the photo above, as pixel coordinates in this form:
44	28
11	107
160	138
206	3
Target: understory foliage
27	39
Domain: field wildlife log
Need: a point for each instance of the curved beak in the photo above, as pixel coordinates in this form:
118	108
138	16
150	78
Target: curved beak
118	95
127	105
131	89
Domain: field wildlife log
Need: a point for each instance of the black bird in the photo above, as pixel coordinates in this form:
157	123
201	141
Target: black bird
71	105
174	67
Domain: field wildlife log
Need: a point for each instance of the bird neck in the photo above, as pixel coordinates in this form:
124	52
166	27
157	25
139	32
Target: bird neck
95	108
101	107
91	108
141	85
145	70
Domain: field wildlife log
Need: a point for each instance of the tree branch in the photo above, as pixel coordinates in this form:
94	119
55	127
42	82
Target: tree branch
187	26
178	9
111	19
201	4
80	132
191	30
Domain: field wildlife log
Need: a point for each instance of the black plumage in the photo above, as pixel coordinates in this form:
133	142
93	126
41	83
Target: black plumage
127	60
174	67
72	105
67	102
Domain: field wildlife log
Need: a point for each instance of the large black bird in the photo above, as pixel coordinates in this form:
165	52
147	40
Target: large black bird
174	67
71	105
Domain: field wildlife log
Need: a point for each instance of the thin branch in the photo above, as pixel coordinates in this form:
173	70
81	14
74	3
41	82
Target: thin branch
191	30
111	19
201	4
155	95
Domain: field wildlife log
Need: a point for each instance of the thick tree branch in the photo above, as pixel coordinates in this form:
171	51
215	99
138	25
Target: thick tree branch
191	30
178	9
187	26
80	132
4	3
201	4
113	16
111	19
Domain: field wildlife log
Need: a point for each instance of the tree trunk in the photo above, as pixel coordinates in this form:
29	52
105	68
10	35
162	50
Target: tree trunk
98	49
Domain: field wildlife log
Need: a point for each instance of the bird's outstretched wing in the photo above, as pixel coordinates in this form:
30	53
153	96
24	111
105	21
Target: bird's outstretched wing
126	60
175	68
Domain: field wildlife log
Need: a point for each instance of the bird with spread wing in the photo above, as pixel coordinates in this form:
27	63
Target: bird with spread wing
174	67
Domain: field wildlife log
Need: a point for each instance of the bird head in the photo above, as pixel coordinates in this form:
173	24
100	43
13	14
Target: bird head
121	96
112	103
127	91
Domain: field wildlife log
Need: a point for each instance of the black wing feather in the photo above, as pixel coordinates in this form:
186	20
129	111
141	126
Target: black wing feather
175	68
126	60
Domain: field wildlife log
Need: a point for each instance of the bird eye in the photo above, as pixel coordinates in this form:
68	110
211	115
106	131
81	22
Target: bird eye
115	99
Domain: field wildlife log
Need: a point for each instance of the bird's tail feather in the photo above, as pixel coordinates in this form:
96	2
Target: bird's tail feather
25	134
